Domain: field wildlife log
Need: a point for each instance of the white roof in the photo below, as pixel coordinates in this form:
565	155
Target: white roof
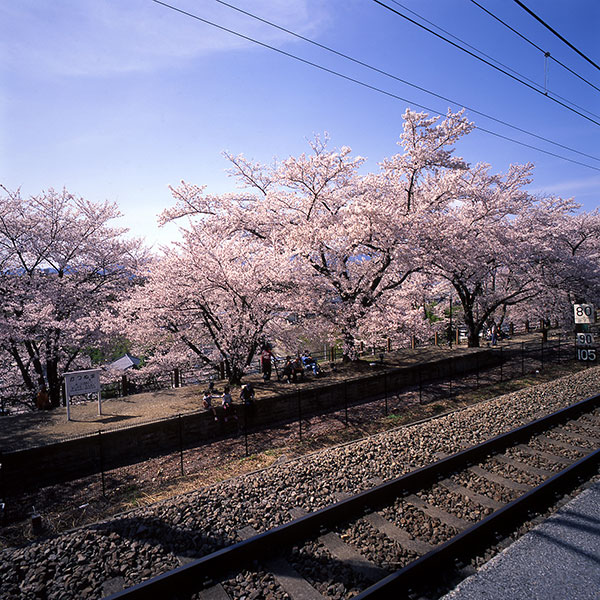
125	362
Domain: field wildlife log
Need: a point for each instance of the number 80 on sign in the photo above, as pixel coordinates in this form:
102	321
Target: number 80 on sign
584	313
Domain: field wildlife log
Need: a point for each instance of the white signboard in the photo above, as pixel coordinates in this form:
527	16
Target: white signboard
584	313
82	382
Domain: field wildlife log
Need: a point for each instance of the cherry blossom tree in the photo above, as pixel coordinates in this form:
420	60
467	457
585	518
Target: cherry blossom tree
60	266
570	269
493	244
214	300
353	238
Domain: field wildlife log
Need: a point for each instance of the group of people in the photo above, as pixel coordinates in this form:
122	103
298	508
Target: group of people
293	368
246	396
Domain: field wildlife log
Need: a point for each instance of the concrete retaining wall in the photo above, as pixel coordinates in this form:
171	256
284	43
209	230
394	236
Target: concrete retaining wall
71	459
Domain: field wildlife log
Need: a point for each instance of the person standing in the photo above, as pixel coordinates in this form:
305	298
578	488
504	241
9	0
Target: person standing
266	362
42	400
494	332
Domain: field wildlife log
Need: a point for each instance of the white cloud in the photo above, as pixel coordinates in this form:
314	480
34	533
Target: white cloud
106	37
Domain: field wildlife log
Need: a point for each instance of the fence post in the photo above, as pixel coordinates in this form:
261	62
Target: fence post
435	338
346	400
542	355
299	414
101	454
246	428
413	342
3	493
180	444
385	389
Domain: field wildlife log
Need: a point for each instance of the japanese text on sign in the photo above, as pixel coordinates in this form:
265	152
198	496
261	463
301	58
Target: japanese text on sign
82	382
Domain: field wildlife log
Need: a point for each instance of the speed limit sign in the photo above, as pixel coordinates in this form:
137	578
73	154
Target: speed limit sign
584	339
584	313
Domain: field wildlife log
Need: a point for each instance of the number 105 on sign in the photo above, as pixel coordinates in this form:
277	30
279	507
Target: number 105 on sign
586	354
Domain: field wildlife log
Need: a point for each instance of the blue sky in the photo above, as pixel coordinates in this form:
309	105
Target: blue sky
117	99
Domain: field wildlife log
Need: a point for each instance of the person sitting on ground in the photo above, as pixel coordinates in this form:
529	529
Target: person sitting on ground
247	394
207	403
247	398
288	370
228	410
297	370
310	363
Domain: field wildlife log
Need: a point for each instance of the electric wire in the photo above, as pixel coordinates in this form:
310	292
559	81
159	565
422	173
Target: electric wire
390	75
491	14
560	37
362	83
496	60
487	62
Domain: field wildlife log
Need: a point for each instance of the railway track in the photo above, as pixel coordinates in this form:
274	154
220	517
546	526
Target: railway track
390	539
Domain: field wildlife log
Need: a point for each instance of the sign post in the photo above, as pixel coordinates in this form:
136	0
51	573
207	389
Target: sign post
82	382
585	315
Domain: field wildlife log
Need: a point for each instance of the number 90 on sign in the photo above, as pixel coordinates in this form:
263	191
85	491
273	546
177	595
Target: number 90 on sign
585	339
586	354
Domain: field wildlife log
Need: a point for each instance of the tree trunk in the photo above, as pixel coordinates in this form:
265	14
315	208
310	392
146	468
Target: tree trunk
350	353
473	339
54	383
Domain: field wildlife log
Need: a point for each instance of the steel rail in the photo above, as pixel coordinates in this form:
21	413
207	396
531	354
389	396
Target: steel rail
188	578
480	534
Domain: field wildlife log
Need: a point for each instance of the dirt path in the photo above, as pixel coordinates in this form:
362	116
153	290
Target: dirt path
45	427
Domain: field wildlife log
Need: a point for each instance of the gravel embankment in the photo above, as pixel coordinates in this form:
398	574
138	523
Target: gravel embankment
96	560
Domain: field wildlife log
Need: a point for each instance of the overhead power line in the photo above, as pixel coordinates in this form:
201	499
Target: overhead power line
394	77
362	83
544	52
483	60
479	51
560	37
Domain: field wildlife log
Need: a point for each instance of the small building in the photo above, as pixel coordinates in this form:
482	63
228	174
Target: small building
127	361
